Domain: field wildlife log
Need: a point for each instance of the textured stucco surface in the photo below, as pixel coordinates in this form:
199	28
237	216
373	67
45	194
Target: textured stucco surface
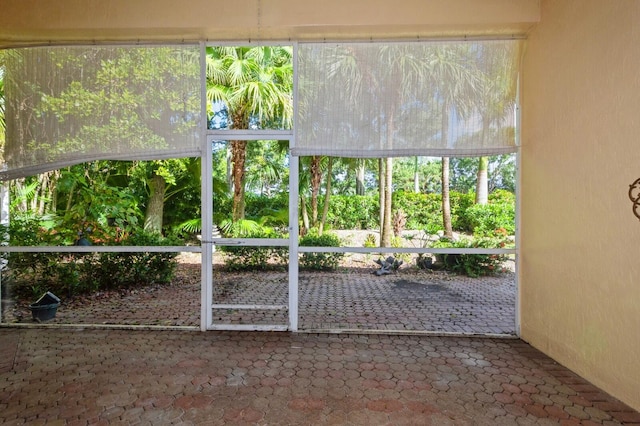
580	242
45	20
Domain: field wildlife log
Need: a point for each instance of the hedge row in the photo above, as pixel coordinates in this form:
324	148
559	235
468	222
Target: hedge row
423	211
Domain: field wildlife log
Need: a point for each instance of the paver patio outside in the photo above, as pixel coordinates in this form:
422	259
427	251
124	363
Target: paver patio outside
349	299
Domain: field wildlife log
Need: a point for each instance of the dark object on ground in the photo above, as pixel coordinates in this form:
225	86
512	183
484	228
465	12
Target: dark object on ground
424	262
427	263
45	308
387	266
82	241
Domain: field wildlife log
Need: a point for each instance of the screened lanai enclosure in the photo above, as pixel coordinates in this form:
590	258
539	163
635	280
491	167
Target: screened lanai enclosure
335	186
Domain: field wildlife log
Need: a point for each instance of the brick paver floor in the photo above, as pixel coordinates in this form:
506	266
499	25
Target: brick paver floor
409	300
98	376
349	299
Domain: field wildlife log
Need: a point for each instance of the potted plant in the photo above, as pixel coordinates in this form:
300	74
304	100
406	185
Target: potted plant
45	308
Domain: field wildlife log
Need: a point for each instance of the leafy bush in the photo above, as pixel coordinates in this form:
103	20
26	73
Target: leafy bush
353	212
320	261
398	242
115	270
370	241
31	274
491	219
502	196
460	203
257	206
243	258
473	265
422	210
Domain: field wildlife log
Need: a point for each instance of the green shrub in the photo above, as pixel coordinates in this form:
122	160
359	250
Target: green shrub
31	274
320	261
460	203
422	210
398	242
472	265
115	270
502	196
257	206
352	212
251	258
490	220
370	241
484	220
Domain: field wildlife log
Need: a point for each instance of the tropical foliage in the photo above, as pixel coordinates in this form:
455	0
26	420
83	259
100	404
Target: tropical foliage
111	202
254	86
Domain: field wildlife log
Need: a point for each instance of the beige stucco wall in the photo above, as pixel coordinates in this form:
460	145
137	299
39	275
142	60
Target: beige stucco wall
580	242
45	20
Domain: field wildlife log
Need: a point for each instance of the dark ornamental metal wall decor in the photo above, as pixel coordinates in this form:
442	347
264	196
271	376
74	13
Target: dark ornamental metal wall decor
634	196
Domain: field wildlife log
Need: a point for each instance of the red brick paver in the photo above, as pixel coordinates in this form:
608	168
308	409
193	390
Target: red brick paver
97	376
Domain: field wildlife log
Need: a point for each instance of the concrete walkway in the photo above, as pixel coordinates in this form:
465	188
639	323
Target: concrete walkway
97	376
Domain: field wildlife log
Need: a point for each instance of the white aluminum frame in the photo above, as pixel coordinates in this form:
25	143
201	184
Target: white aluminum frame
207	217
208	244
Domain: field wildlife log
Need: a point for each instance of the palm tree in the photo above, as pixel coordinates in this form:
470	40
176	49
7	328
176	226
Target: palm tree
482	181
357	167
353	72
498	88
455	80
267	171
255	84
311	171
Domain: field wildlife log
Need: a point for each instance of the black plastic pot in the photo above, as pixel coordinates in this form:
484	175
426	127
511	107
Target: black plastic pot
45	308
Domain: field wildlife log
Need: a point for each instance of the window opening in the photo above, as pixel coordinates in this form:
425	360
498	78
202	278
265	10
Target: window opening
114	240
468	280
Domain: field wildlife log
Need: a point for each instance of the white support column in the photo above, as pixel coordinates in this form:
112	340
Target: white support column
206	194
294	171
293	242
518	198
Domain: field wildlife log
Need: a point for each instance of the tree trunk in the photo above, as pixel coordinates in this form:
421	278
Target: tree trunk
238	157
386	225
305	214
72	190
482	181
155	206
43	193
4	209
53	204
446	202
327	196
416	176
381	189
360	171
18	188
316	179
229	170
